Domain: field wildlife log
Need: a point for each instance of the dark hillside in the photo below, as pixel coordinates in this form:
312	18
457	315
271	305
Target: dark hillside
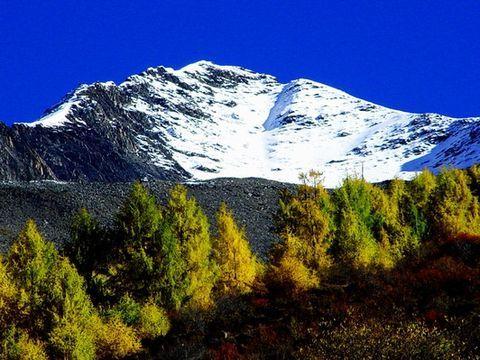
51	204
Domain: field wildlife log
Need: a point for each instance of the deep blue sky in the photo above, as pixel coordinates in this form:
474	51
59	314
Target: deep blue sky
415	55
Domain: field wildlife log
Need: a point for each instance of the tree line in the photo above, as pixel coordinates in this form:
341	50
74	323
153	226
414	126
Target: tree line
117	291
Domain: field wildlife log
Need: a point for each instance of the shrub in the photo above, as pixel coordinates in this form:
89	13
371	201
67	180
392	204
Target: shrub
376	339
127	309
69	339
148	319
17	345
289	270
116	340
153	321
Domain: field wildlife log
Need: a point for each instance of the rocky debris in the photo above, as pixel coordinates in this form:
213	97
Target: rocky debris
52	205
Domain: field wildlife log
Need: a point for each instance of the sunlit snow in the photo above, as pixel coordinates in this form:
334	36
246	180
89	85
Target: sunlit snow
226	121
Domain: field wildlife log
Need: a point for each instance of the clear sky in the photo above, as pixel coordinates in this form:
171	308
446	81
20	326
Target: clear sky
414	55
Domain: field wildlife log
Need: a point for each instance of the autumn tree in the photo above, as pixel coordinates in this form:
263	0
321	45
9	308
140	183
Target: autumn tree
54	306
8	298
421	188
31	261
190	226
306	226
453	209
48	281
238	266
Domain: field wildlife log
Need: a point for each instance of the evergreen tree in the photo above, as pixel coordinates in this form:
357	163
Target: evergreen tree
354	243
474	179
375	227
139	218
405	221
88	248
138	222
148	262
168	286
238	267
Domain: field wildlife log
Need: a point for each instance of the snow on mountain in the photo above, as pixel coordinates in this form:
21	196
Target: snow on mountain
205	121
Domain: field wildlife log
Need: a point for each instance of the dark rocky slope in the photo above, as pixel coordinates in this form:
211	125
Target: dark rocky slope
254	202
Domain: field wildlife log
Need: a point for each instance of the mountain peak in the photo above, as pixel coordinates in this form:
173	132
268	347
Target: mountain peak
207	120
205	66
200	63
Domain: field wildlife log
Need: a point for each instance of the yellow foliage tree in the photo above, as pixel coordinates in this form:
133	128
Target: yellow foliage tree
454	208
8	298
115	340
190	225
290	269
421	188
53	303
306	225
18	345
237	264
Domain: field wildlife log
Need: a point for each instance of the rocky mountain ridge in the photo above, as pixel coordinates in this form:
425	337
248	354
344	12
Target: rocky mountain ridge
206	121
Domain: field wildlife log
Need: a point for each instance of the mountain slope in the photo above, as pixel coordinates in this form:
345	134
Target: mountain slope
205	121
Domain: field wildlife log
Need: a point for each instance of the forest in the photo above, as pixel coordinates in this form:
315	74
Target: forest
364	271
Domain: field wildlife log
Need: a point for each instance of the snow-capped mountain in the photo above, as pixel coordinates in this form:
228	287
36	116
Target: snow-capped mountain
205	121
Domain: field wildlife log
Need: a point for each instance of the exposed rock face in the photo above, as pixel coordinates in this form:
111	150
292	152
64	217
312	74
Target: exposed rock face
18	160
205	121
96	139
